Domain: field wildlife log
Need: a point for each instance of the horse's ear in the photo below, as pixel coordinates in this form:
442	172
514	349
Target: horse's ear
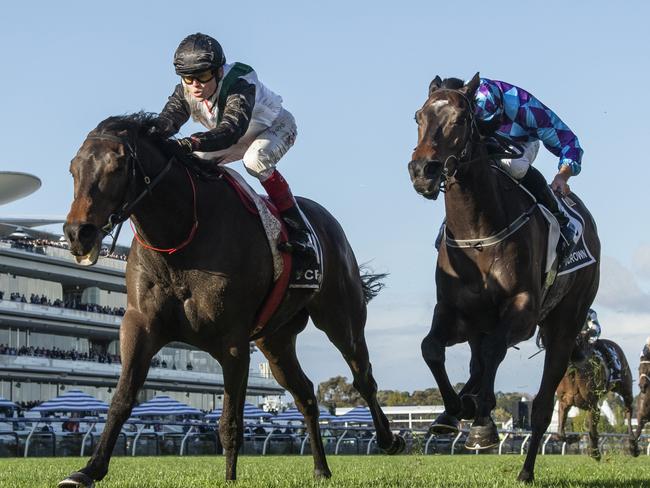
435	84
471	86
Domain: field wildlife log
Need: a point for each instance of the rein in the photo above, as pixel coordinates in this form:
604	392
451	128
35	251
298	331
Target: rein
115	220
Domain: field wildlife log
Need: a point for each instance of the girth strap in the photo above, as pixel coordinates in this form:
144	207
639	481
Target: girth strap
503	234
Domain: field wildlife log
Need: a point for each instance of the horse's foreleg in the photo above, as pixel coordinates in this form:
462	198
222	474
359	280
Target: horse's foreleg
555	363
234	359
280	350
562	414
628	400
138	344
593	417
443	328
483	433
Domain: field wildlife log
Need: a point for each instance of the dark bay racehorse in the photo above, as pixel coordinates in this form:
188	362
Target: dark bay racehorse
490	293
207	294
585	383
643	403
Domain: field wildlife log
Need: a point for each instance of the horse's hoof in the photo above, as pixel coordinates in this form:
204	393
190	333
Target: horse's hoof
398	445
77	480
482	437
634	450
444	424
595	455
525	476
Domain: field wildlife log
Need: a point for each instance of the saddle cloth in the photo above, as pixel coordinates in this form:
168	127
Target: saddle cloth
610	360
581	256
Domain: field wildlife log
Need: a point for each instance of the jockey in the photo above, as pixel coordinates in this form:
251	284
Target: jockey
516	115
591	329
591	333
244	120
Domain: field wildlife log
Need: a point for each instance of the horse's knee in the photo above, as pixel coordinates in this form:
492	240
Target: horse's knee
433	351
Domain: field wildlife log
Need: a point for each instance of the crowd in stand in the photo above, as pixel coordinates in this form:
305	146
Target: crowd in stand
37	246
71	304
93	355
55	353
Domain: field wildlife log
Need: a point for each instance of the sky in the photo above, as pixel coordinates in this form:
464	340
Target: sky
353	74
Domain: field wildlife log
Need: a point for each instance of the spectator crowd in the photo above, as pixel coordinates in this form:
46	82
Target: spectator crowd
93	355
37	246
71	304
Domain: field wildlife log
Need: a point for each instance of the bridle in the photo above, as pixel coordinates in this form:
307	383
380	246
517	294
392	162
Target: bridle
115	220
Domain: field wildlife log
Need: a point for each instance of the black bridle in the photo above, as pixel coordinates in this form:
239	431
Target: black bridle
115	220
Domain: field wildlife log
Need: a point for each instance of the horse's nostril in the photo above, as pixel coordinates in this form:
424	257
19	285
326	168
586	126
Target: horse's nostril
87	232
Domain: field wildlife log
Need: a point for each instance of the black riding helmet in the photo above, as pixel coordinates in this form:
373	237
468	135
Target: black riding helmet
198	52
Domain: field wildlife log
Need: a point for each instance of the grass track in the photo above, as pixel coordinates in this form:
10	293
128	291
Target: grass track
349	471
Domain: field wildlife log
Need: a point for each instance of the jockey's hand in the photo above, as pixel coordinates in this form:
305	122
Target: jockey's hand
560	182
161	128
186	145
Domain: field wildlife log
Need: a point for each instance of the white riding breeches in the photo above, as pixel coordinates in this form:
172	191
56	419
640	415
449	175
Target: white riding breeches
517	168
262	149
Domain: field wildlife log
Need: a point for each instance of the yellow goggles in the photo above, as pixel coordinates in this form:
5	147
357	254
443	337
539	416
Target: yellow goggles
202	77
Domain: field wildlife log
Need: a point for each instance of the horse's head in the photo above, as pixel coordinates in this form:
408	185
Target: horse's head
101	179
445	129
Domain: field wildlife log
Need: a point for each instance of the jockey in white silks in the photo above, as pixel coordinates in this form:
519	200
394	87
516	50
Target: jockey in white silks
245	121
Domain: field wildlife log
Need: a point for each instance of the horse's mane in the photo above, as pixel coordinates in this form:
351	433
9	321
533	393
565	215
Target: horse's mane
137	124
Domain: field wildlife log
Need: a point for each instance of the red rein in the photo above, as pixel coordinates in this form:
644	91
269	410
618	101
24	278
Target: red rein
190	237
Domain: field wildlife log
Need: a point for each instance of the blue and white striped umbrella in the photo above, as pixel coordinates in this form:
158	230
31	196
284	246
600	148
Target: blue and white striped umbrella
4	403
358	415
163	405
72	401
251	412
293	415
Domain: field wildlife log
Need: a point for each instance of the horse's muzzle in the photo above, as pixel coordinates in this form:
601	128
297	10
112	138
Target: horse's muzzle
425	176
84	239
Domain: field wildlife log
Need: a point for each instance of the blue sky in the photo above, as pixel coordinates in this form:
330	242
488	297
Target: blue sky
353	74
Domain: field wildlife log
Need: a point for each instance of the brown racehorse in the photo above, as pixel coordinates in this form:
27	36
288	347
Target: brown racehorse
643	404
208	293
490	292
585	384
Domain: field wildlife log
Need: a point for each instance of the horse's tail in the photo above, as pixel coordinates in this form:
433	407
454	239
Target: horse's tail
371	282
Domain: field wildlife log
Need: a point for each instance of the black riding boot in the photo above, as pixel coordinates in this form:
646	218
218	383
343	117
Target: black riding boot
535	183
302	247
299	233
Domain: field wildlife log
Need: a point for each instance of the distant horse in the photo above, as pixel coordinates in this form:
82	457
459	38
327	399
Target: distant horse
490	269
208	292
643	403
586	383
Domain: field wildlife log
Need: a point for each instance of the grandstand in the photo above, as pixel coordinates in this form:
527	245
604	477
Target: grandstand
59	329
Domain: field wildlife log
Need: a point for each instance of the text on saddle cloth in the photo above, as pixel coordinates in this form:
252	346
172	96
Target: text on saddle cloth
581	255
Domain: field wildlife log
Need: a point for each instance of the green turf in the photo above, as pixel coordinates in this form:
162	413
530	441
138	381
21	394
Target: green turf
348	471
